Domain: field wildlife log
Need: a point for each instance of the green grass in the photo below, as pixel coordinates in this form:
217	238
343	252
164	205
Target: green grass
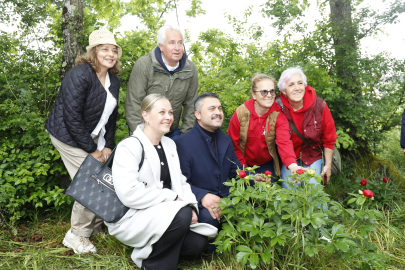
38	245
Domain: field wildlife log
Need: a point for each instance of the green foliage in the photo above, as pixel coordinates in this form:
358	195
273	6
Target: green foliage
30	166
386	195
267	225
389	149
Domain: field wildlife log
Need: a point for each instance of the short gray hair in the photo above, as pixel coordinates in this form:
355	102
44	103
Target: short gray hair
161	33
288	74
198	101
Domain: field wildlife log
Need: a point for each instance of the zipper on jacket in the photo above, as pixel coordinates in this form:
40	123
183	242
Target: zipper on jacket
314	121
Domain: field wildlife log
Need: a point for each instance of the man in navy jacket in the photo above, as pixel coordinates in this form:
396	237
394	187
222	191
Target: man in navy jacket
207	157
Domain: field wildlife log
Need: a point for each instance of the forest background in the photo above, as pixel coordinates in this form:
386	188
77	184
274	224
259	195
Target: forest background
365	93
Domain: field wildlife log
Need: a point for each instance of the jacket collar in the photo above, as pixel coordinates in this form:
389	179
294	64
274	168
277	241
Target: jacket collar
152	158
114	83
157	62
222	143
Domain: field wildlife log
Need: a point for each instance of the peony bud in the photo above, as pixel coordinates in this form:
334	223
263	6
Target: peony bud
311	172
363	182
268	173
299	171
368	193
360	192
385	179
242	174
267	186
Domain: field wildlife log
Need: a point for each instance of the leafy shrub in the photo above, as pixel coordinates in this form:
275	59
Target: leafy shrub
268	225
389	149
30	166
386	194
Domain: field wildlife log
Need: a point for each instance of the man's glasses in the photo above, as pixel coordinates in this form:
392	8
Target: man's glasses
266	92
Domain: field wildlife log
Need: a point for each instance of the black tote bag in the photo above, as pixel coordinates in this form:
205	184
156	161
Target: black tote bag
93	187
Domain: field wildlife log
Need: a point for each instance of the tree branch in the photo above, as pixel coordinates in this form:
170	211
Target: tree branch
165	9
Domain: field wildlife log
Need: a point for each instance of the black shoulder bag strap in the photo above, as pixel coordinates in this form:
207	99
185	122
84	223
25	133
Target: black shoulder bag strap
111	157
294	128
143	154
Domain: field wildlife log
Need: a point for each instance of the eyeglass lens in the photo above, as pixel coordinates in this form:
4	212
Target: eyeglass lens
266	92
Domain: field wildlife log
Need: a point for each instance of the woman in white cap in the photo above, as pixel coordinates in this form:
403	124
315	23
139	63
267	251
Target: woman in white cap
83	122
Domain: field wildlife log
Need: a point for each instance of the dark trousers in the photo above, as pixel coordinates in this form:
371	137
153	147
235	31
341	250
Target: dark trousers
177	241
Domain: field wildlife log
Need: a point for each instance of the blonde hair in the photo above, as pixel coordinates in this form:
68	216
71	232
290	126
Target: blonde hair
258	77
90	57
150	100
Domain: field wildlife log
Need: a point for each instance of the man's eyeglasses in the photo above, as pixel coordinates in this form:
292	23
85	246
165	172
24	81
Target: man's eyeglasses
266	92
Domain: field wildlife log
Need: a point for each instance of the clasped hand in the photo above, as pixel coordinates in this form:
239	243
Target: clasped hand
102	155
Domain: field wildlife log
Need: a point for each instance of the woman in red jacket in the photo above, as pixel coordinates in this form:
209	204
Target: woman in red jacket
312	118
258	125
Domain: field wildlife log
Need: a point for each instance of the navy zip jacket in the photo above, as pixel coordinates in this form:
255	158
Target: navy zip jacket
78	109
204	172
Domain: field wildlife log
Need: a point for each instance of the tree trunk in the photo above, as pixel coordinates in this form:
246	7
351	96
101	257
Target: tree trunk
346	68
72	28
345	45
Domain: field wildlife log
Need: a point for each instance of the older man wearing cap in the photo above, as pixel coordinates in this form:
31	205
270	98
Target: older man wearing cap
167	71
83	122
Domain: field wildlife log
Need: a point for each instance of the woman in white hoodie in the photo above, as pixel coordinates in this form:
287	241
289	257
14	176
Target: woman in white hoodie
162	223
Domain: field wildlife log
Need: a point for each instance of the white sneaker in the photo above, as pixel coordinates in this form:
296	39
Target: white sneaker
79	244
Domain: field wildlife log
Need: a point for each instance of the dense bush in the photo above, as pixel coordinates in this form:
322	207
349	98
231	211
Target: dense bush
30	167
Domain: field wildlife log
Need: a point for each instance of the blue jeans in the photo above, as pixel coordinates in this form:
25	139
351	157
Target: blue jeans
173	134
317	166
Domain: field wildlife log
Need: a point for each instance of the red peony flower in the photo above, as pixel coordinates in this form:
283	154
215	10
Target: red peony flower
363	182
368	193
242	174
268	173
299	171
385	179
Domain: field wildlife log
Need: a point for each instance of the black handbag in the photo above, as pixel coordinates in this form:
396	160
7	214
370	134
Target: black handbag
93	187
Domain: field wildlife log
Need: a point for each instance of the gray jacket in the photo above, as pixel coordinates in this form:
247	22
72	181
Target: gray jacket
149	77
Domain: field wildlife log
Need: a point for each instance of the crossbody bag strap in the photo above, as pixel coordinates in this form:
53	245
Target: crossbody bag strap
111	157
294	128
143	154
